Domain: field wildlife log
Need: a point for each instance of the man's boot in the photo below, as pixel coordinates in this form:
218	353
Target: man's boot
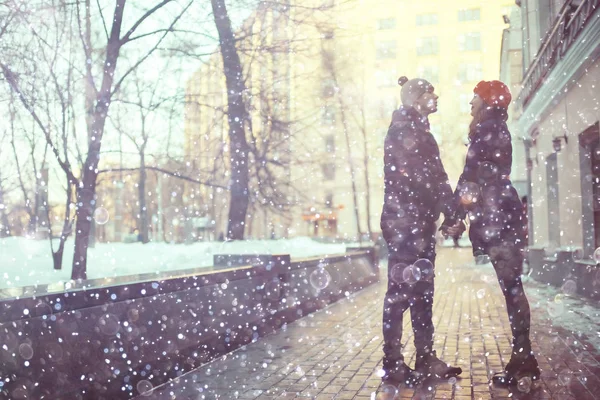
396	372
429	366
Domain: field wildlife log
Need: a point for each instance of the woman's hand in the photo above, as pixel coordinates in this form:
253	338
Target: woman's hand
455	230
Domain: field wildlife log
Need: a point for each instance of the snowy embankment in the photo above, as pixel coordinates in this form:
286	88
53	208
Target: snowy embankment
26	262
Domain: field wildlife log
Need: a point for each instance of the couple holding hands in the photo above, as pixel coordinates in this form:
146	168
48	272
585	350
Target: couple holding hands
416	192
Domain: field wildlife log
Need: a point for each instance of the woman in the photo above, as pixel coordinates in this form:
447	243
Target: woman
485	191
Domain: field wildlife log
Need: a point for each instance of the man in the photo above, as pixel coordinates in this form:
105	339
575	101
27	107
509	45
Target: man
416	191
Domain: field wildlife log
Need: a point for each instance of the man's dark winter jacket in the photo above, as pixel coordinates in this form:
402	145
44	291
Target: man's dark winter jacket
416	184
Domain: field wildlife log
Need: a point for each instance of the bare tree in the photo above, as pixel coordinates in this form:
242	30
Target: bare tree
331	70
256	64
362	127
100	90
238	120
146	103
47	96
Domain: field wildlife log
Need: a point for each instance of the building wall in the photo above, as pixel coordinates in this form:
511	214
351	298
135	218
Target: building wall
511	73
566	104
547	128
582	112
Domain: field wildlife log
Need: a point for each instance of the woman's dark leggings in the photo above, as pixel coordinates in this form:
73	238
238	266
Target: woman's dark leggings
508	263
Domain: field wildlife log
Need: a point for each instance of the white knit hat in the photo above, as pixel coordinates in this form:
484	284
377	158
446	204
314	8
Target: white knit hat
413	89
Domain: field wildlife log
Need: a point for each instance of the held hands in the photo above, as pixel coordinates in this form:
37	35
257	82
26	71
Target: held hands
455	230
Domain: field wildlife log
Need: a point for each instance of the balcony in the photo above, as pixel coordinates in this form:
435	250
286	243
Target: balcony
573	18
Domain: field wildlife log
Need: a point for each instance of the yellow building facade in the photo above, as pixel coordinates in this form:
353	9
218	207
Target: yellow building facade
341	78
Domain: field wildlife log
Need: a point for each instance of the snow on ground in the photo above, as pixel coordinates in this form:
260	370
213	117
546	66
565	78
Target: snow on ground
565	308
561	307
28	262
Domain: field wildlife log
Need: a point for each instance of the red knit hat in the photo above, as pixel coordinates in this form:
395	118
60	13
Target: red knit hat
493	93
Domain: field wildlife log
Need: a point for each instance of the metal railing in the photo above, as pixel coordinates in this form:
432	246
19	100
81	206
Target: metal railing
573	18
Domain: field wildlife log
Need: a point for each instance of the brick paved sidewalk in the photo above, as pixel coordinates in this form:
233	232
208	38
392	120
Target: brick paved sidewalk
336	353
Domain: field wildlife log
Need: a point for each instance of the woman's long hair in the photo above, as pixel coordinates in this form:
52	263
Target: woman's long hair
484	114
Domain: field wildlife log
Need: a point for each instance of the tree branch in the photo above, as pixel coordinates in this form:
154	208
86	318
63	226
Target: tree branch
140	61
148	13
88	53
164	171
169	30
12	81
102	17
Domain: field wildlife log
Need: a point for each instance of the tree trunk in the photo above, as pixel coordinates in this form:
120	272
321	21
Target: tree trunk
34	218
57	256
349	150
64	235
96	119
159	209
366	166
85	204
142	199
352	173
86	192
237	116
4	223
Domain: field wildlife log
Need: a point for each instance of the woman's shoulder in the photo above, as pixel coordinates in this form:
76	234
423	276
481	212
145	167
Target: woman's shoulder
494	130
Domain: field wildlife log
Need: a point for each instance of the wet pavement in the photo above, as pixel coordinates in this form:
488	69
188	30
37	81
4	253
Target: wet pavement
336	353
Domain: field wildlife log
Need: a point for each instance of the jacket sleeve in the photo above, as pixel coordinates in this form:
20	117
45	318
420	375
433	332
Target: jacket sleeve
446	203
491	151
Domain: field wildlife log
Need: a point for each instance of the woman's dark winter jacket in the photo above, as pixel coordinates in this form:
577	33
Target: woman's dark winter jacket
485	191
416	184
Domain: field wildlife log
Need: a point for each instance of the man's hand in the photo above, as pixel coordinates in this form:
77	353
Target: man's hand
455	230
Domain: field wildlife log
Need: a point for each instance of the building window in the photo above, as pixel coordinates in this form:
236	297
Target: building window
386	78
473	14
386	49
328	35
427	46
427	19
469	42
429	72
330	144
328	116
328	171
470	73
386	23
327	87
329	200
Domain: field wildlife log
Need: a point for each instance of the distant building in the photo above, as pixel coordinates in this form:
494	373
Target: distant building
339	91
